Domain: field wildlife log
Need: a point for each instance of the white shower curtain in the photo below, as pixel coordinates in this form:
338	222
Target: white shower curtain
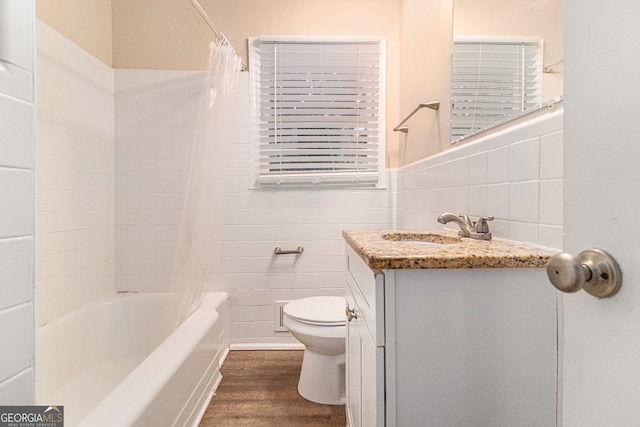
198	248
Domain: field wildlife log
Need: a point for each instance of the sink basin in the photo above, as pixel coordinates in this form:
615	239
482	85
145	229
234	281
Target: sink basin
421	238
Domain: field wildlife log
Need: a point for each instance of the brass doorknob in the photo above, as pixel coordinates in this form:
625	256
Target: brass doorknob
593	270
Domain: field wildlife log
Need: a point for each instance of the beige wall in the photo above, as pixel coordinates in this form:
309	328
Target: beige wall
424	76
172	35
161	35
87	23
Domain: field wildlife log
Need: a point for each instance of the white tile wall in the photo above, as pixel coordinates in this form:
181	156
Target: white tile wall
16	358
17	268
260	220
75	185
156	117
16	118
16	202
514	174
151	147
17	152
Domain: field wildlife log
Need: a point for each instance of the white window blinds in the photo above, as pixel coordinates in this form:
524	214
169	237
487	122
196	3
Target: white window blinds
493	80
318	111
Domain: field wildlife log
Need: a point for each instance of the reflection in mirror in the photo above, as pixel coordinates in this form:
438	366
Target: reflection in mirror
506	61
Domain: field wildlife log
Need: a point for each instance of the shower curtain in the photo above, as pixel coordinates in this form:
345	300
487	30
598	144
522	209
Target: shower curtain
198	248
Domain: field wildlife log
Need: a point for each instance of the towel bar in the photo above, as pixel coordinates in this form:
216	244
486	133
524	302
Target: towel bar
279	251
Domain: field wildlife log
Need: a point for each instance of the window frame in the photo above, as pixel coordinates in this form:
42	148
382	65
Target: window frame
372	177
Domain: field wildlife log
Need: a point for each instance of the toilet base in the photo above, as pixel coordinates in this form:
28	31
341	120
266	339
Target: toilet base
322	378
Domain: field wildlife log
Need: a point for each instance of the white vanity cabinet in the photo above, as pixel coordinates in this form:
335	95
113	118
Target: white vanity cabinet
450	347
365	359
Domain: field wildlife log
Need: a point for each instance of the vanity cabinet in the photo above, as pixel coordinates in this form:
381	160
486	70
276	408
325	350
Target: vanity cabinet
364	353
450	347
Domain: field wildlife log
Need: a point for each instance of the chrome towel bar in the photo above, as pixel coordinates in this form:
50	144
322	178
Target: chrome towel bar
433	105
297	251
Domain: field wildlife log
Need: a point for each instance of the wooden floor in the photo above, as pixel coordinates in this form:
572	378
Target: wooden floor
259	388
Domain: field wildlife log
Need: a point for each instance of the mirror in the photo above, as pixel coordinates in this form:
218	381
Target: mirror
498	20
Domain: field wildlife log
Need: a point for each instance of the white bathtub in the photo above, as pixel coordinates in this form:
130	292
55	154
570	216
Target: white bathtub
121	361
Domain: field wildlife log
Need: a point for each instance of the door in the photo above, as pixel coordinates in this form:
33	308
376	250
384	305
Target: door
600	350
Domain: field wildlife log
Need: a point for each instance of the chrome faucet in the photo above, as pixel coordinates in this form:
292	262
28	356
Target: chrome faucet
474	230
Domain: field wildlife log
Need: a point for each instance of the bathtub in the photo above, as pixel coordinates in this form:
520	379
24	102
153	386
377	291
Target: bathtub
122	361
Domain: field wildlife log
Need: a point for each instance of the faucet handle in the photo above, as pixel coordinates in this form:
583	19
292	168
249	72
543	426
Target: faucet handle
482	226
466	219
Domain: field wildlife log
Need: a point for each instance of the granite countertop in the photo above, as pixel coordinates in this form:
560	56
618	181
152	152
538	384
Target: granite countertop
381	253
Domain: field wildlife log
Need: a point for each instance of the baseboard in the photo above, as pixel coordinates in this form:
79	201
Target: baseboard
266	346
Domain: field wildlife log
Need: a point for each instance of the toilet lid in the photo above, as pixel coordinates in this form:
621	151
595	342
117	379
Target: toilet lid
327	311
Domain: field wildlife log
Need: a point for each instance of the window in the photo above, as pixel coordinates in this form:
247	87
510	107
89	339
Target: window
493	79
318	111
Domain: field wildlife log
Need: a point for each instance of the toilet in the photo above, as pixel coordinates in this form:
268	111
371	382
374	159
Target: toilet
320	324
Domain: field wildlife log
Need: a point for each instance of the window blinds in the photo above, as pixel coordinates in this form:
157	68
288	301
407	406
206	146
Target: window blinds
493	80
318	111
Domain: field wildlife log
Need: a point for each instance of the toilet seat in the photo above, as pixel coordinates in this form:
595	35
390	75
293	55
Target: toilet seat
321	311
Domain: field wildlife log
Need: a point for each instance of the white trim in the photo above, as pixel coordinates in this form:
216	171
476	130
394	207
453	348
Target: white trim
496	39
266	346
317	38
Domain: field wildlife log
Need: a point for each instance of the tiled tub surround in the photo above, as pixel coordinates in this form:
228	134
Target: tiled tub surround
108	204
75	177
156	117
17	163
381	253
513	173
91	207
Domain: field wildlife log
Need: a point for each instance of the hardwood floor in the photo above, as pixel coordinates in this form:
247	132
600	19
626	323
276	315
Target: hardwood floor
259	388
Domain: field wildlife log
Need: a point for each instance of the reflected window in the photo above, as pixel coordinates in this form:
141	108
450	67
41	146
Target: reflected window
493	80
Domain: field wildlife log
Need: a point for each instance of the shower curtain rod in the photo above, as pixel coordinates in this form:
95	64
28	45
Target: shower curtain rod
213	27
208	20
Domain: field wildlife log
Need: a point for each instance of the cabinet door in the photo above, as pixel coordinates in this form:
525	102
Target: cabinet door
353	365
364	370
372	381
